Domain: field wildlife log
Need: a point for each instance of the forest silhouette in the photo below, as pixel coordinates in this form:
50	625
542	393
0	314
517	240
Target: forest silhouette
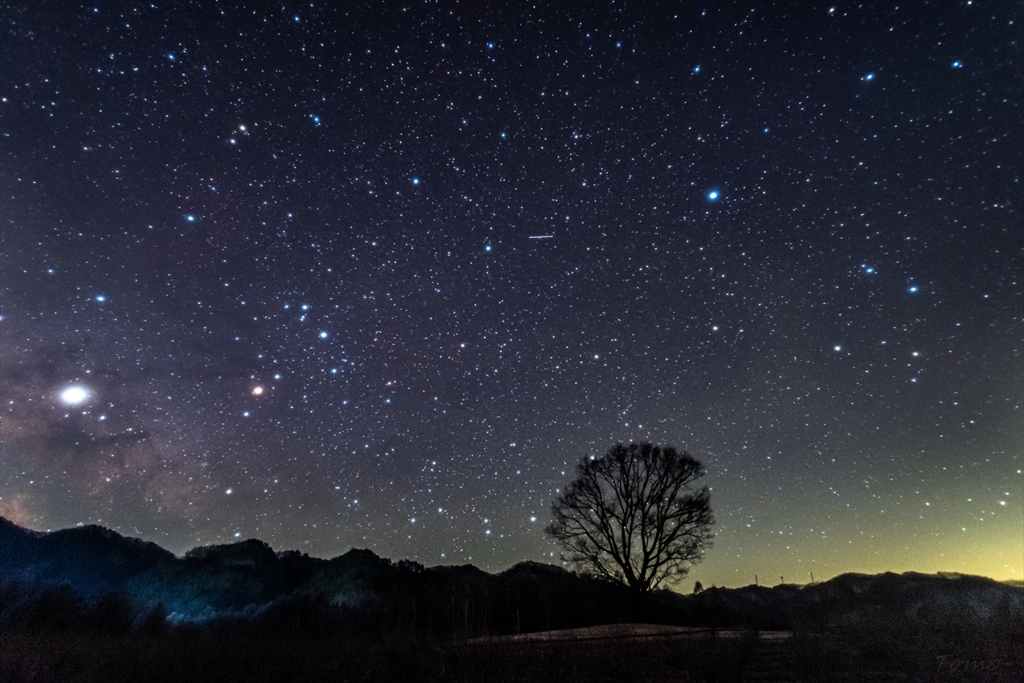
89	604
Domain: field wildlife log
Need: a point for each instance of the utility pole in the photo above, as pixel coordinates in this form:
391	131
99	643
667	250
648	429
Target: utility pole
755	580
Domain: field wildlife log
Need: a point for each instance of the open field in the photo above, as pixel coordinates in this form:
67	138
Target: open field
878	651
633	632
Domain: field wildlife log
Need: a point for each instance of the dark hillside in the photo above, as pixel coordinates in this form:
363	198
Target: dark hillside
217	579
291	592
91	559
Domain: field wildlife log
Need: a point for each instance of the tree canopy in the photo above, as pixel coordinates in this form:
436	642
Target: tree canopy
634	515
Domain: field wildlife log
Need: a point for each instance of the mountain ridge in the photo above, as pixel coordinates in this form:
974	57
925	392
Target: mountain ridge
249	578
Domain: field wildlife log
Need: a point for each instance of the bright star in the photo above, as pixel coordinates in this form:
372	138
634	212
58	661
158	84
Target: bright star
487	248
190	218
415	181
957	64
74	395
696	69
913	289
323	335
101	298
713	195
869	77
256	391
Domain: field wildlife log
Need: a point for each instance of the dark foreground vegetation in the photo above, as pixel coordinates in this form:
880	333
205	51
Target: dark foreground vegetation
89	605
877	650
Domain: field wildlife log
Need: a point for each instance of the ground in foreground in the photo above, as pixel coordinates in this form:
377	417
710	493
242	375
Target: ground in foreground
893	650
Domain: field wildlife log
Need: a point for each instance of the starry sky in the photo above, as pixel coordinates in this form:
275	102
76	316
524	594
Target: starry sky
335	275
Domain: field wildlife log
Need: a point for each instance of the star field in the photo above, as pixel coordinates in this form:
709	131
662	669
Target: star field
378	276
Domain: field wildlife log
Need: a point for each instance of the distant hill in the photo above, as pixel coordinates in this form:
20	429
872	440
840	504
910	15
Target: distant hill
249	581
91	559
850	598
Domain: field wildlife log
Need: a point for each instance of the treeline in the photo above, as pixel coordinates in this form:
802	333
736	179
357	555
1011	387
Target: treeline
47	608
380	598
440	603
92	579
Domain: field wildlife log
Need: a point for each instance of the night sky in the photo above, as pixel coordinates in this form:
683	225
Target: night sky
377	275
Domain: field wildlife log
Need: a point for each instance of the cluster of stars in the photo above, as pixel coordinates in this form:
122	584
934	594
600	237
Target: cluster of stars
444	259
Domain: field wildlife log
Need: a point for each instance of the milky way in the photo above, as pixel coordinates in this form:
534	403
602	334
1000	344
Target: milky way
378	276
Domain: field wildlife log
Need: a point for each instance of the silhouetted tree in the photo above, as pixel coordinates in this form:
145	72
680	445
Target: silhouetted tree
54	608
113	613
153	623
634	516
